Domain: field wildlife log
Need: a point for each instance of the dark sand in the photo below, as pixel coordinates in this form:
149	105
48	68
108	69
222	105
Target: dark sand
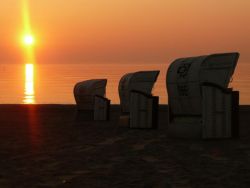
44	146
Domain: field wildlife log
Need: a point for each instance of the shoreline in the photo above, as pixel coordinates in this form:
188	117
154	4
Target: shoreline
243	107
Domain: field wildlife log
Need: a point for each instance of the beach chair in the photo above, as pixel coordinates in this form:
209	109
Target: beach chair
142	81
200	103
90	97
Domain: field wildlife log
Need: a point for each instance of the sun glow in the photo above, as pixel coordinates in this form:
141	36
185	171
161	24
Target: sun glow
28	40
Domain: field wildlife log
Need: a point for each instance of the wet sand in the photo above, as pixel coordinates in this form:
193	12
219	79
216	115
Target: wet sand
46	146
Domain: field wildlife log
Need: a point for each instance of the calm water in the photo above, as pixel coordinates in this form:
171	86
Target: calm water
53	83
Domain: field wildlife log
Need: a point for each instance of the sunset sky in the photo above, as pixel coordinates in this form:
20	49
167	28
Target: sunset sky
125	30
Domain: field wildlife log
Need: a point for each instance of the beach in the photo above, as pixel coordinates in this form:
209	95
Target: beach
49	146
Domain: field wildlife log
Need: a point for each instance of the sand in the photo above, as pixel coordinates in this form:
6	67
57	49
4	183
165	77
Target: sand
46	146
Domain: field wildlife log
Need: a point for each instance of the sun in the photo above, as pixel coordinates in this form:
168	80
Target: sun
28	40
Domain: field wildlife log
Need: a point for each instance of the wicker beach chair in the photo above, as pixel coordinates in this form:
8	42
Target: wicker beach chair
142	81
200	103
90	98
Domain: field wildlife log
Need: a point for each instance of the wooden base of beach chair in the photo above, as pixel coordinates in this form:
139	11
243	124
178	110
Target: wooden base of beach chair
124	120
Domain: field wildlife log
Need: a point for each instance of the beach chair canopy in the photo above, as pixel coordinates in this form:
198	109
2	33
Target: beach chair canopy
141	81
85	92
185	77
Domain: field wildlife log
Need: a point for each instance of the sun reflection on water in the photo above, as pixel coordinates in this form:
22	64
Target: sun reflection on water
29	92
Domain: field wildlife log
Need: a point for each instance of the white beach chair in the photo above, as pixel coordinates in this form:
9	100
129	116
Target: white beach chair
200	104
85	93
141	81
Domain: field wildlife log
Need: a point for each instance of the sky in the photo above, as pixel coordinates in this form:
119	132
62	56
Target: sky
125	30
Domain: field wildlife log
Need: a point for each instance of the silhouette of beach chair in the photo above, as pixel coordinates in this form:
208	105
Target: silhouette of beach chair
90	98
142	81
200	103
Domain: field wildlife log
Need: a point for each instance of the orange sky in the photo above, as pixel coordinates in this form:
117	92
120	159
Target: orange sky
126	30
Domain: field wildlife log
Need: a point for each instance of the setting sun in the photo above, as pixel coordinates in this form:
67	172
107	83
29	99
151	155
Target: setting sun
28	40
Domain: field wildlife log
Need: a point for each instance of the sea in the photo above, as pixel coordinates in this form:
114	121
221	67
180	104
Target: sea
53	83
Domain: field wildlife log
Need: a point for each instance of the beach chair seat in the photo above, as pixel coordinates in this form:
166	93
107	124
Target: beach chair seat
220	112
101	108
143	110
